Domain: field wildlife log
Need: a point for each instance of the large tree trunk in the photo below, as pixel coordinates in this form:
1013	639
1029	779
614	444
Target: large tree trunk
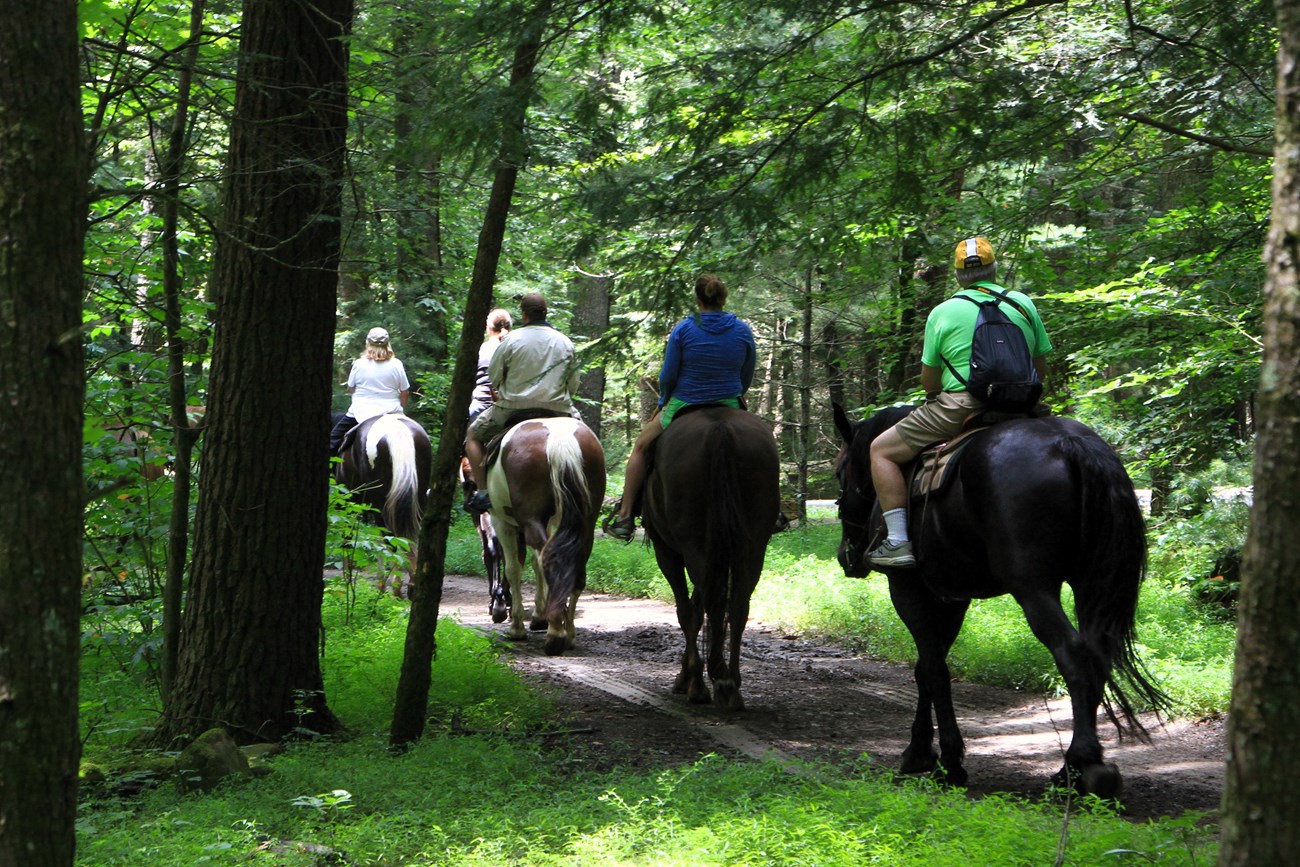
412	697
42	214
249	649
1260	807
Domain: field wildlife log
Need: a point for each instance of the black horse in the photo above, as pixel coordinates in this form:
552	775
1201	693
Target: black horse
711	505
1035	503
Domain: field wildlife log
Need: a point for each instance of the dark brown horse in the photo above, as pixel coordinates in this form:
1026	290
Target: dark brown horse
546	485
386	464
711	504
1035	503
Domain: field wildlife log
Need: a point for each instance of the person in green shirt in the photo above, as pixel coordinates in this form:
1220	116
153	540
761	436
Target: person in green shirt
949	330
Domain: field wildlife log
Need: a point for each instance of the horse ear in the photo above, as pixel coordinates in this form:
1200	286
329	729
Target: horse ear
842	423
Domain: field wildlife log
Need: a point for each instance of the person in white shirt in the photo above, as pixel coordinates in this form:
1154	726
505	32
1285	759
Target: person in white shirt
378	385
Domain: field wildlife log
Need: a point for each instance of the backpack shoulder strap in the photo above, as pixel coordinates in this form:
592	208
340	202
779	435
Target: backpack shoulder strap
946	362
998	292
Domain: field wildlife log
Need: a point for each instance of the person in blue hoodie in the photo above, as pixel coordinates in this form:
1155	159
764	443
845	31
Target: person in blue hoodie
709	359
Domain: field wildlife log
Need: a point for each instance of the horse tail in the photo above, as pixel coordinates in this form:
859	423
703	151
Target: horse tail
1113	553
402	511
725	528
569	492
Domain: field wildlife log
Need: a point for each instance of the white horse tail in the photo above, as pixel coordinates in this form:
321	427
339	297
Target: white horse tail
572	501
402	512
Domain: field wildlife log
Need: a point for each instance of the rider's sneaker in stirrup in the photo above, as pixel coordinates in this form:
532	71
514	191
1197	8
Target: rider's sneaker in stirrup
621	528
892	554
479	503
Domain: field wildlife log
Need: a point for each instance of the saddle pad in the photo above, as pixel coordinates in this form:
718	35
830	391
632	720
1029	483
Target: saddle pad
933	469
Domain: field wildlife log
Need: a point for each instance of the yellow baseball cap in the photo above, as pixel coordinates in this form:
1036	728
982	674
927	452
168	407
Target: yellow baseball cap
973	253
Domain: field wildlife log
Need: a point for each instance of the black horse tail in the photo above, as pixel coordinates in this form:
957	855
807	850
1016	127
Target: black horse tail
562	555
402	510
1109	578
725	528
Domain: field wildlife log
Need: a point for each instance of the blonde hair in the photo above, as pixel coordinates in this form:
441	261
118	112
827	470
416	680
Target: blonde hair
499	321
378	351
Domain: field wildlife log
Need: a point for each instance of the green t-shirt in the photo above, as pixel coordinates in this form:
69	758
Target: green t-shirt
950	328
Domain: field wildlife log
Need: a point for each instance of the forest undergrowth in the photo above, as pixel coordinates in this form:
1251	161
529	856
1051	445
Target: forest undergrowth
489	799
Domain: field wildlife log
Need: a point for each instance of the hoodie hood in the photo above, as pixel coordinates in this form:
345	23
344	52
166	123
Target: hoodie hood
715	322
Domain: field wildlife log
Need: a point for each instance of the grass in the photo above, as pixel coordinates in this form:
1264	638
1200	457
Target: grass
505	798
498	799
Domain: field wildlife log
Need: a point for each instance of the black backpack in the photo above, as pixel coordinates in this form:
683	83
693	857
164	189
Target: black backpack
1002	372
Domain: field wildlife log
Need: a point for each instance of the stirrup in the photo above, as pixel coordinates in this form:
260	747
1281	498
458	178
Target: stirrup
622	529
478	503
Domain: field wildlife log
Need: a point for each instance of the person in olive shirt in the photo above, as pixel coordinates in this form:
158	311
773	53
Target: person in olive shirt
535	367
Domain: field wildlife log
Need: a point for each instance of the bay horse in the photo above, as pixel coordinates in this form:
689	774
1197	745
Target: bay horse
546	484
386	464
711	505
1035	503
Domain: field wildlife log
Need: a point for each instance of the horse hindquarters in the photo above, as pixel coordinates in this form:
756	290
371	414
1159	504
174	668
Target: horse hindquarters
1106	587
564	557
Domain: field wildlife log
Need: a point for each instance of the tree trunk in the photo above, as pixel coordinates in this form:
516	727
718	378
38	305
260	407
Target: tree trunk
412	697
1259	804
590	320
249	649
183	435
42	215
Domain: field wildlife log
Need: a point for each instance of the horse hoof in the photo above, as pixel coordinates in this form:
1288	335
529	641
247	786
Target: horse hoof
538	624
730	701
918	761
554	645
950	777
698	694
499	615
1102	780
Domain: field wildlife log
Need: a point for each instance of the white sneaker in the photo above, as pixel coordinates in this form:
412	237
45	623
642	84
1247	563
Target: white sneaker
892	554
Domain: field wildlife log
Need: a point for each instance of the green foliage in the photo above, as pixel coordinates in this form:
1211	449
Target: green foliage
1204	532
491	799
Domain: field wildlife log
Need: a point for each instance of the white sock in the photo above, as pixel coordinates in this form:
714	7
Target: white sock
896	524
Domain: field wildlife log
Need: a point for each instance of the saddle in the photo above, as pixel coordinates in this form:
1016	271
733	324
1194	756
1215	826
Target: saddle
932	470
653	449
519	416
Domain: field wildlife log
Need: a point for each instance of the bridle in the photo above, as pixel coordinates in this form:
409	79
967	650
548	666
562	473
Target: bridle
859	530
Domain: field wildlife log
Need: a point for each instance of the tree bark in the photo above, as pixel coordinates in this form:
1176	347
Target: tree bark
42	216
412	698
249	649
590	321
1261	815
183	435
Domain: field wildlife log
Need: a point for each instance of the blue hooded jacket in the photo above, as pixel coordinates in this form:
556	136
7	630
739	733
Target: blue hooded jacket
710	357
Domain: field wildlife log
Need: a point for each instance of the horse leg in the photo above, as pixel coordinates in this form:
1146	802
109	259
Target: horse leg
934	626
1084	676
498	595
726	687
511	546
690	680
539	622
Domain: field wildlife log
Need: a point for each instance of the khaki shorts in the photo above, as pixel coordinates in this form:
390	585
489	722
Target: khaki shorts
937	419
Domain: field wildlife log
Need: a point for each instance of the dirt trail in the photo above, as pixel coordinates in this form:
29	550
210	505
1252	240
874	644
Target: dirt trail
812	700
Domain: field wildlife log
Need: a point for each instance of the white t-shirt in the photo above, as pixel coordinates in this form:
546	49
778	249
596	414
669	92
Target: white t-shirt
377	387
